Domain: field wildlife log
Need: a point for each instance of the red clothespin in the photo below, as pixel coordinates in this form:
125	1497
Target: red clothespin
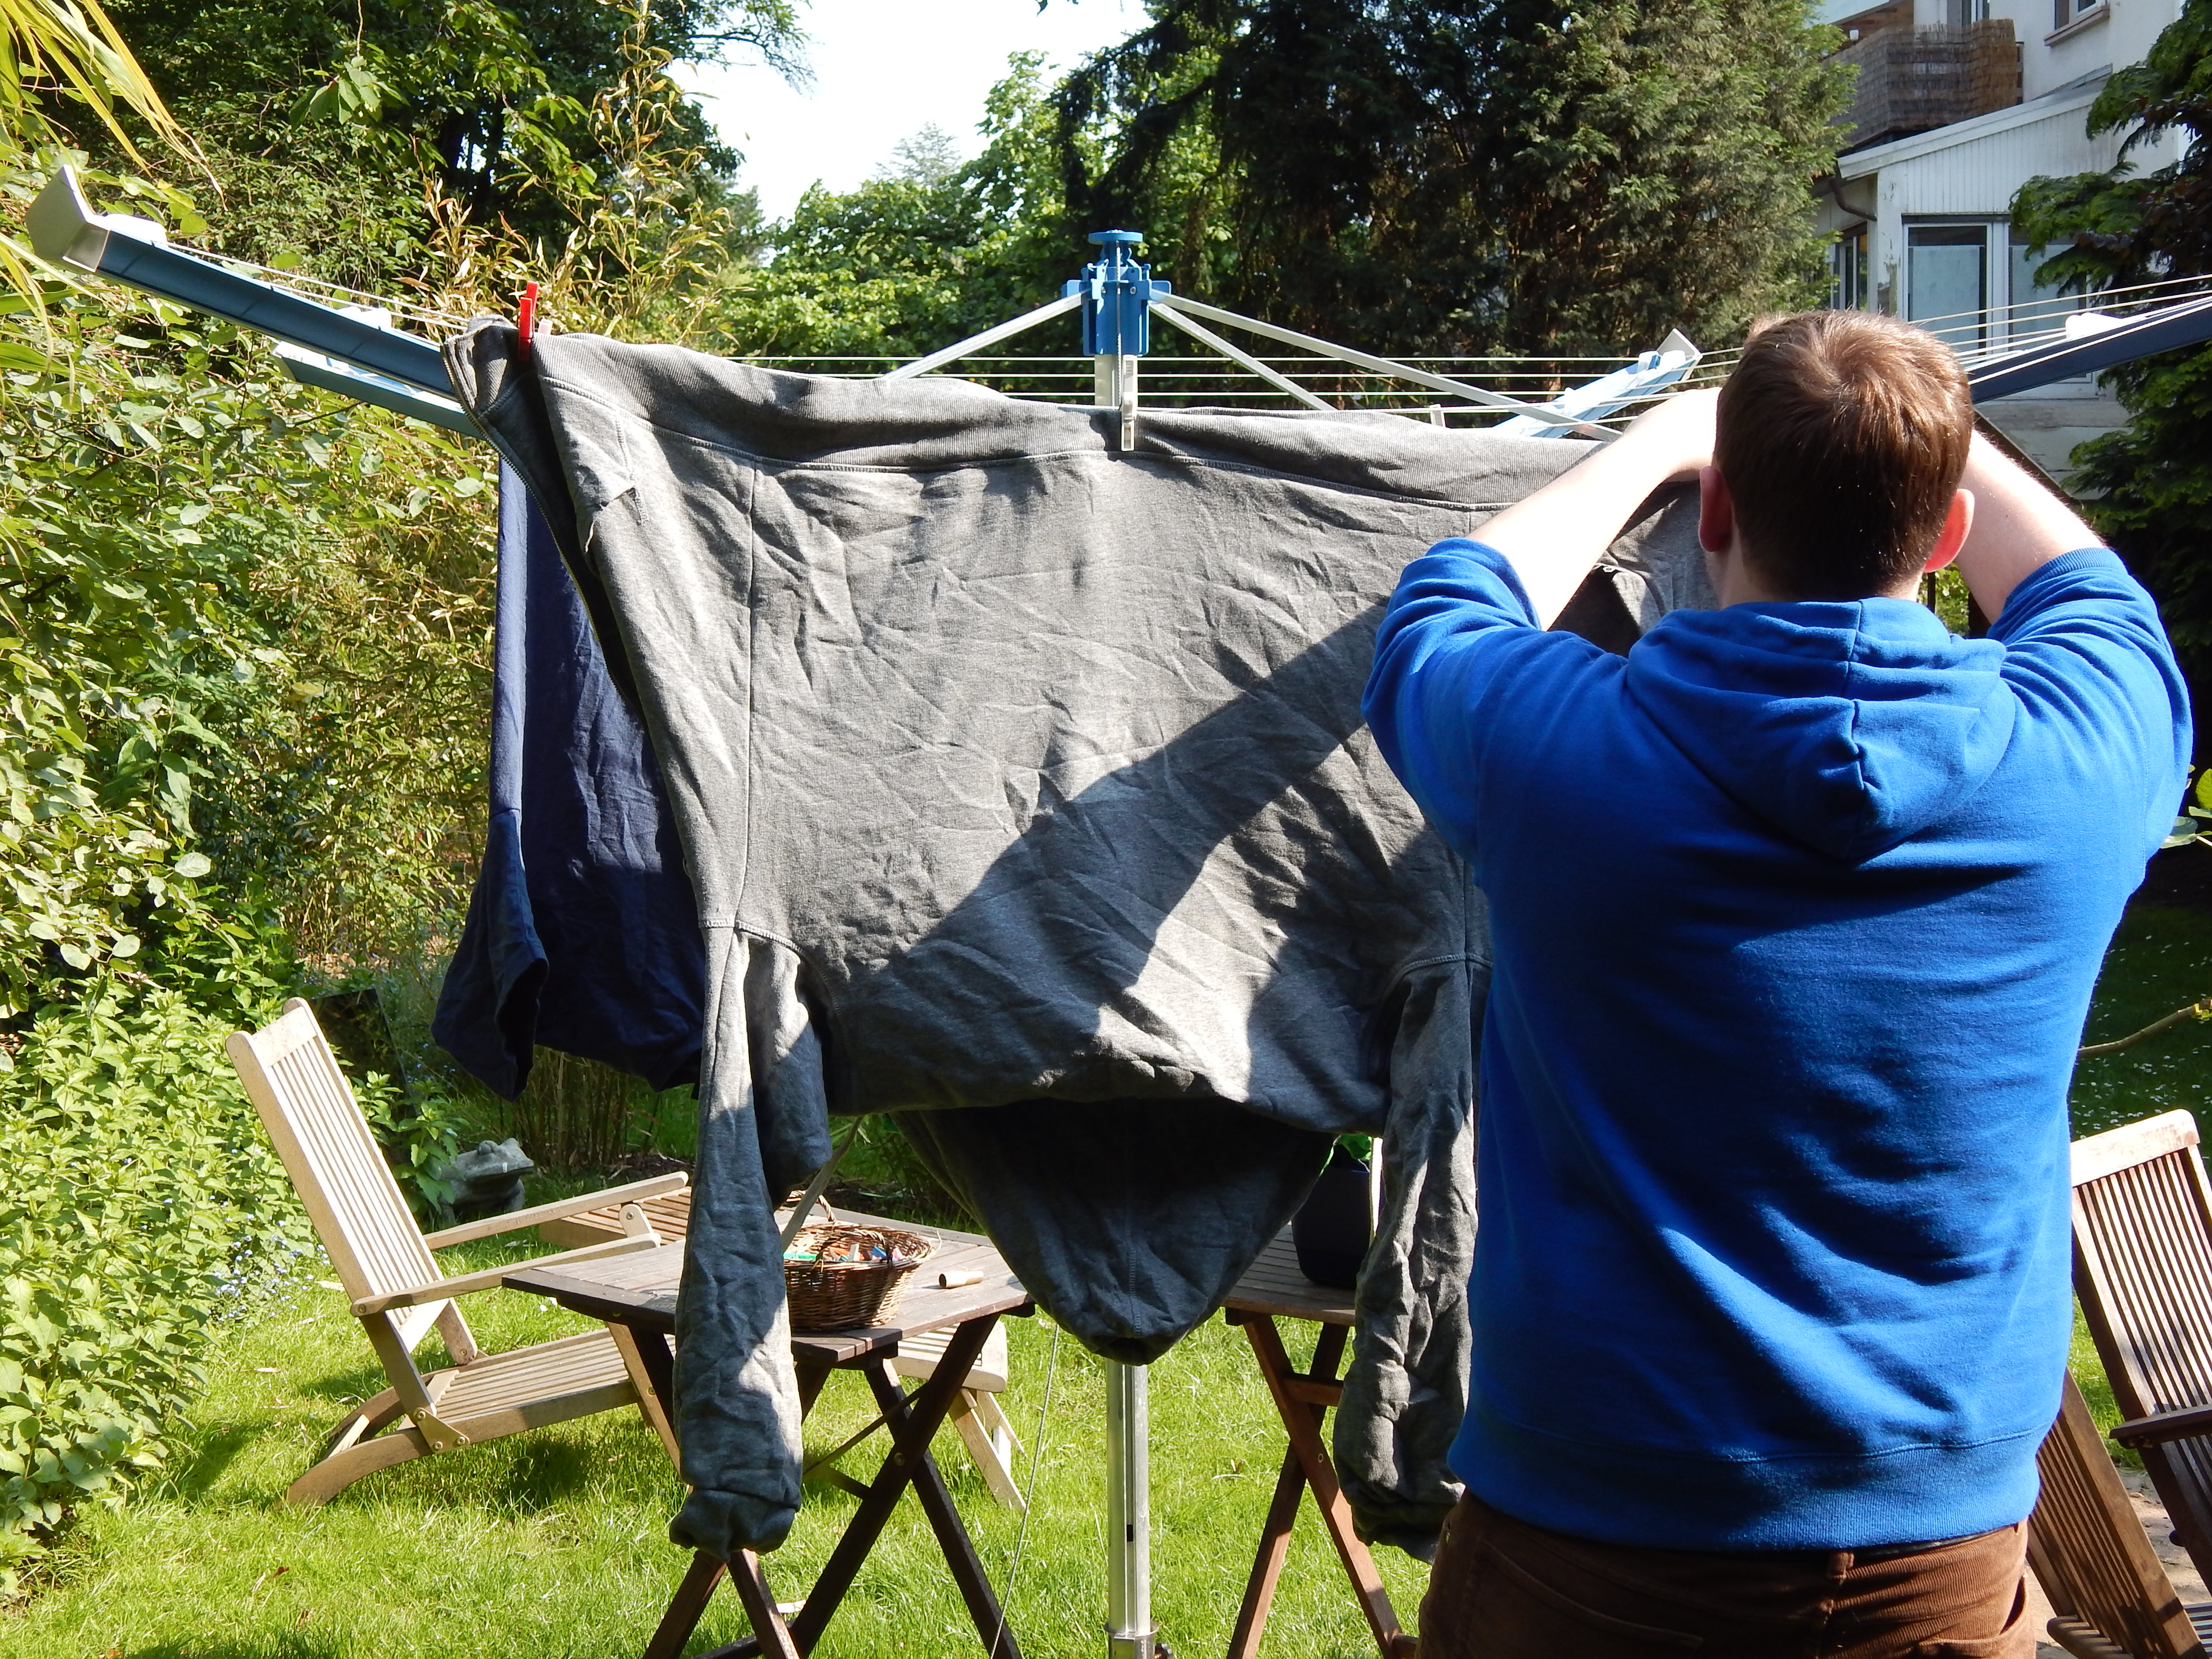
525	321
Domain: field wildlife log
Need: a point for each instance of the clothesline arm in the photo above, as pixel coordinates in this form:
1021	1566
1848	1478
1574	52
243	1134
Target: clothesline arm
1482	395
1206	337
974	342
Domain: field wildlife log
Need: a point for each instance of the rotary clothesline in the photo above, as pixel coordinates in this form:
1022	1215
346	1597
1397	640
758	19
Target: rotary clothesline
356	351
353	348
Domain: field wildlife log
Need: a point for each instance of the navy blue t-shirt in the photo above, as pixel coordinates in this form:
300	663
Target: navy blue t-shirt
1796	911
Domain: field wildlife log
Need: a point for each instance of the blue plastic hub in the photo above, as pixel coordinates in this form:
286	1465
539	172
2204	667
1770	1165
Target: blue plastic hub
1117	293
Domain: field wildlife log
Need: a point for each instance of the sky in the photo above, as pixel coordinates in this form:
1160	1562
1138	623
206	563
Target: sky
884	69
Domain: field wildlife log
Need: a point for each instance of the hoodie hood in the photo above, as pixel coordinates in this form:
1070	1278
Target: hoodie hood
1849	726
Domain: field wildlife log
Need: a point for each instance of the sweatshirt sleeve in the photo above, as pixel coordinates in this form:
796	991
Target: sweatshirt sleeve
1456	646
2085	652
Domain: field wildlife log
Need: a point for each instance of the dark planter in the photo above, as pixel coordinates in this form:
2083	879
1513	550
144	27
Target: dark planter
1332	1227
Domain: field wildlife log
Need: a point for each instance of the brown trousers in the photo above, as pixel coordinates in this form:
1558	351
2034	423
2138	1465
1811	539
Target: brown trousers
1502	1589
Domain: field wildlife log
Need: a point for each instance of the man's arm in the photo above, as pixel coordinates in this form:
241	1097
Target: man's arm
1553	537
2019	526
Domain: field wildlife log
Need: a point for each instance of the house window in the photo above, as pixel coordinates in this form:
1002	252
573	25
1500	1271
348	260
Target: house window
1947	281
2035	308
1958	13
2064	12
1847	272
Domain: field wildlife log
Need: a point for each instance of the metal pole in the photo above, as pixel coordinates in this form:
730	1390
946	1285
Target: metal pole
1114	385
1130	1633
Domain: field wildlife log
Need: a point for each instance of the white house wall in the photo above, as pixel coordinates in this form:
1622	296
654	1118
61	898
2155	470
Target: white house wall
1969	176
2121	33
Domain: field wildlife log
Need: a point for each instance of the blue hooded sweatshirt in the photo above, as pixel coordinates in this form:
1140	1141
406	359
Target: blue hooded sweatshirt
1796	910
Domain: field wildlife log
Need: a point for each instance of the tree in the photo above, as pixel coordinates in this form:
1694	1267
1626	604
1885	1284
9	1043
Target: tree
2150	482
1472	175
58	52
927	251
490	100
928	158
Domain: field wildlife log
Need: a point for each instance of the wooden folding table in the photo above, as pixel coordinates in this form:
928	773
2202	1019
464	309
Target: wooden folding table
1275	1289
637	1295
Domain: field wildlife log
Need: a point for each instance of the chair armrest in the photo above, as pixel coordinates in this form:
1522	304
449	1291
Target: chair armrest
2159	1427
489	1279
492	1225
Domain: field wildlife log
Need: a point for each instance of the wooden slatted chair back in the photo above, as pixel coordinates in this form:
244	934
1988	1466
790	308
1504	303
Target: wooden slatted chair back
2089	1551
2142	1266
309	1110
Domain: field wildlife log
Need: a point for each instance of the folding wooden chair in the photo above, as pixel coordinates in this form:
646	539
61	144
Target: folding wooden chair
975	1414
399	1293
2109	1591
2142	1268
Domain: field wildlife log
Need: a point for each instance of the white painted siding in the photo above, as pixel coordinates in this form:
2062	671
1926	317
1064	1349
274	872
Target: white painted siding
1980	175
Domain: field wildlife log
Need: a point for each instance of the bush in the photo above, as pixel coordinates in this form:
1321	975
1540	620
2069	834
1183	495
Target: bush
143	1201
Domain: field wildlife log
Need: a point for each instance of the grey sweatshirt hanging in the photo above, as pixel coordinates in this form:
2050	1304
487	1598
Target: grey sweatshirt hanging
1024	791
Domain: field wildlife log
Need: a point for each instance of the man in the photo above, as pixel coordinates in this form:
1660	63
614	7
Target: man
1796	911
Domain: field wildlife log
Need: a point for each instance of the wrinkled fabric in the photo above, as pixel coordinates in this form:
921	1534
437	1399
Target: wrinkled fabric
1024	792
581	935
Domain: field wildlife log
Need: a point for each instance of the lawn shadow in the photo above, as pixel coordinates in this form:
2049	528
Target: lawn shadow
349	1388
292	1645
214	1455
543	1469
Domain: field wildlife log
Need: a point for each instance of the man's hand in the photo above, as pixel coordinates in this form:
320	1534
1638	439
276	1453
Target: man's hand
1553	537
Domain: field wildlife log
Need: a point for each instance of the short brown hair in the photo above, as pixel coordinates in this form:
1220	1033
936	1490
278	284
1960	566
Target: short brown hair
1842	436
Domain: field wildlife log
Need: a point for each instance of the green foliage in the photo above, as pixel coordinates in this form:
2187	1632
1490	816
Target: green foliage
238	711
420	1133
141	1200
2194	822
1468	178
203	647
2149	483
491	102
1944	591
921	255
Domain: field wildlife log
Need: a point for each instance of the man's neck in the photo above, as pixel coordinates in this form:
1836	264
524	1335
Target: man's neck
1737	579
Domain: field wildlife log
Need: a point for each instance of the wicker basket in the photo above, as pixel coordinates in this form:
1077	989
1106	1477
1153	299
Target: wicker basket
853	1295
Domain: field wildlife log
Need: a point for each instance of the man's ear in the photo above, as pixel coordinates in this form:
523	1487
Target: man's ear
1715	511
1958	524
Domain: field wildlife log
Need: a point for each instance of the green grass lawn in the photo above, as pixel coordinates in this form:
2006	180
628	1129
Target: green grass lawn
553	1545
2160	960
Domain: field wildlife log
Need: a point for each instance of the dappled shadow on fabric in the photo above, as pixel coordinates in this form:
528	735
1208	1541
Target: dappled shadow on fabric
1130	1216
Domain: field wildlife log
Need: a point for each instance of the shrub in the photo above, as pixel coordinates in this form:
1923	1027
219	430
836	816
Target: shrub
143	1201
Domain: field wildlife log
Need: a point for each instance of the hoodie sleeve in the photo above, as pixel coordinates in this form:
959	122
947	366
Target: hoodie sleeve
1459	644
2089	658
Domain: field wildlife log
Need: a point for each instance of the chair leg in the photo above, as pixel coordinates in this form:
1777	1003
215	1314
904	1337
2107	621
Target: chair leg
341	1469
993	1416
362	1421
990	1460
650	1405
684	1611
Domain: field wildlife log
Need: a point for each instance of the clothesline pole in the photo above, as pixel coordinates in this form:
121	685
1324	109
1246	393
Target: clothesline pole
1130	1633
